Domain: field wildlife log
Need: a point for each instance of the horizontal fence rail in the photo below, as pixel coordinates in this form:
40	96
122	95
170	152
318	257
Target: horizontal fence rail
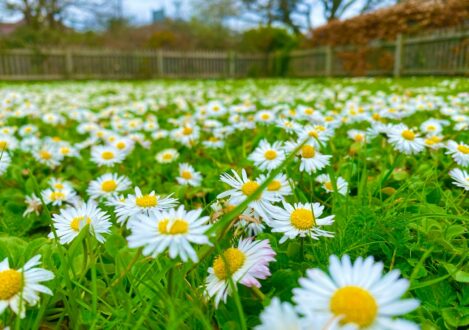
440	53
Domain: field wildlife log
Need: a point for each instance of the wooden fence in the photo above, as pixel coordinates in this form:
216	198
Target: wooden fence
443	53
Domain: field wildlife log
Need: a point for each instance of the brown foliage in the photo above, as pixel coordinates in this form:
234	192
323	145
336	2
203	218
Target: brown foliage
407	17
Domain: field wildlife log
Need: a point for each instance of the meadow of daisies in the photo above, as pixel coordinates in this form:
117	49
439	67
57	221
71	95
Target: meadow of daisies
266	204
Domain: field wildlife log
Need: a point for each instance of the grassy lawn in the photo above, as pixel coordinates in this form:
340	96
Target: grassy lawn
116	186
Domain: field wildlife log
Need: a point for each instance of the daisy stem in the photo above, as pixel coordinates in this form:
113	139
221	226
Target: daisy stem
302	248
85	258
258	293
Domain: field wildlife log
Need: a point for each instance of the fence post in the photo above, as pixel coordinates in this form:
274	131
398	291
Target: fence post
68	63
329	61
231	64
160	62
398	56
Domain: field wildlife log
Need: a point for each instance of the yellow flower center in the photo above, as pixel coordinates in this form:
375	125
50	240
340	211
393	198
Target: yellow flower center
464	149
75	224
270	154
265	116
45	154
249	187
408	135
187	130
11	283
120	145
3	145
107	155
231	261
167	156
355	305
146	201
56	195
64	150
309	111
359	138
58	186
186	175
328	185
307	151
179	226
329	118
376	116
275	185
109	185
431	128
302	219
56	139
313	133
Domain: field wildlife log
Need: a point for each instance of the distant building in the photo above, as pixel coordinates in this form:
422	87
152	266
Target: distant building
9	28
158	16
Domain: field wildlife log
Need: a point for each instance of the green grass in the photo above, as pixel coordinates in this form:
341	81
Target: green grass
403	210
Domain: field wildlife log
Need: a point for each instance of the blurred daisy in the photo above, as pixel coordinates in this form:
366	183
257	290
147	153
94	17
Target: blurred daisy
243	187
460	177
459	152
434	142
176	230
33	204
188	176
265	116
5	161
268	156
405	140
342	185
301	220
106	155
71	220
167	156
357	135
8	142
282	316
107	185
356	293
19	287
142	204
311	160
246	264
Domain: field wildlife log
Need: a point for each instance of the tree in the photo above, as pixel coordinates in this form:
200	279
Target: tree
335	9
54	14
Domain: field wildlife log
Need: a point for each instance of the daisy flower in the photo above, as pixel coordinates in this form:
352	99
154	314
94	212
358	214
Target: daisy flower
33	204
71	220
140	204
20	286
342	185
8	142
311	160
107	185
280	185
106	155
357	135
268	156
405	140
280	316
243	187
459	152
246	264
5	161
57	197
175	230
460	177
301	220
188	176
48	155
167	156
356	293
434	142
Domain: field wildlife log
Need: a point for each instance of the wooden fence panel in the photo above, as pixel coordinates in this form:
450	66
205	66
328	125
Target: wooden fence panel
442	52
